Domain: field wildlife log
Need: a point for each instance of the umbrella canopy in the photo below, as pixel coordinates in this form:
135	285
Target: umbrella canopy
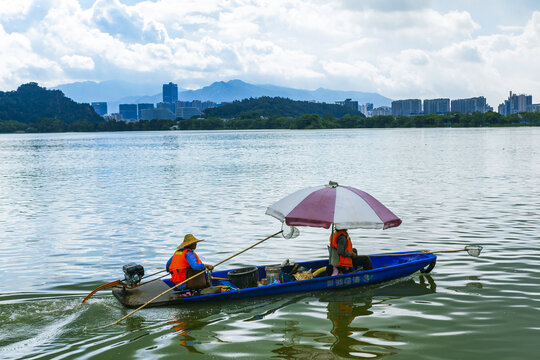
344	206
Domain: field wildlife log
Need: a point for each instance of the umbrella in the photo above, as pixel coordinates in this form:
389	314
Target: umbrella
344	206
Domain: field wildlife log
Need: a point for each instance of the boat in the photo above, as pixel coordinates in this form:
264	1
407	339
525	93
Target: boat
386	267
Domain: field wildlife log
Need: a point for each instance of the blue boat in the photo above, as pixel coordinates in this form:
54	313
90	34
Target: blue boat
386	267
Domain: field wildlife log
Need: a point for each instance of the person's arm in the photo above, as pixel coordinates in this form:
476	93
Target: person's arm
341	246
192	260
168	265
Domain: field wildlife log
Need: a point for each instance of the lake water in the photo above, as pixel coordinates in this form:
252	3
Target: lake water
74	208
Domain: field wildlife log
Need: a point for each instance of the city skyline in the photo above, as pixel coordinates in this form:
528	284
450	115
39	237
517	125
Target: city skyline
515	103
406	49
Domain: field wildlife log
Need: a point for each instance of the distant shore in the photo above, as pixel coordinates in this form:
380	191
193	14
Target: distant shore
307	121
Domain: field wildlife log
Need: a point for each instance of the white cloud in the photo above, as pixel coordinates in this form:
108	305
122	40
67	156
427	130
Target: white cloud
386	5
399	49
19	62
13	9
78	62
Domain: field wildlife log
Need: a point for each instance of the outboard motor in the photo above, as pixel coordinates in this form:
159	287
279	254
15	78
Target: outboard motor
133	273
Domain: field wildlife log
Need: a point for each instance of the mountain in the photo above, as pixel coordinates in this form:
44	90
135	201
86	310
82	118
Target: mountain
119	92
265	106
30	103
112	90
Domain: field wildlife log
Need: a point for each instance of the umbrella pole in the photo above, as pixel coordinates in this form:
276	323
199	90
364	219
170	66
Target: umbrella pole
183	282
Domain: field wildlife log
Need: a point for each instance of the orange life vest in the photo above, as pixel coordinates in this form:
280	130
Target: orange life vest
343	261
180	264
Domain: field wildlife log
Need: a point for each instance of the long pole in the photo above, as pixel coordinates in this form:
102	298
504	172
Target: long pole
183	282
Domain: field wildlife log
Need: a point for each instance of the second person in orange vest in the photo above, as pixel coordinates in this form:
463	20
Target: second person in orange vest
342	255
184	258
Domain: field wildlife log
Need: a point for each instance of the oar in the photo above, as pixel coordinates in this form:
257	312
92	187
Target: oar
110	285
183	282
473	250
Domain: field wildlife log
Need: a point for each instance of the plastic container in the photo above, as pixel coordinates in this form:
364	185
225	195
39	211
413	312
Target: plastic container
244	278
272	273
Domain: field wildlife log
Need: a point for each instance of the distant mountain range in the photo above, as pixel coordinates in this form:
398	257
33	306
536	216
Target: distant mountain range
119	92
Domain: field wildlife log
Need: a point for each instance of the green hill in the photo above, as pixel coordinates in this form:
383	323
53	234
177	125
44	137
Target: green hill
276	106
31	104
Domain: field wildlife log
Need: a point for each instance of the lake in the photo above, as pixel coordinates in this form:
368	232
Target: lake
75	207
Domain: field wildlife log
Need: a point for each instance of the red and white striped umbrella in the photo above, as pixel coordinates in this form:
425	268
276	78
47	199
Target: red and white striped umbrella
344	206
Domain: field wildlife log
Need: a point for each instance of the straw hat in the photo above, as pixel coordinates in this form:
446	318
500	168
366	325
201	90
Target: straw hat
188	240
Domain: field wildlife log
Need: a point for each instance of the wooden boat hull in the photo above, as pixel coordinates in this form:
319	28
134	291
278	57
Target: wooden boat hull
385	268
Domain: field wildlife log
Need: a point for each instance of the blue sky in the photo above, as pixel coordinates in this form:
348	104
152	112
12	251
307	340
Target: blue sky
400	49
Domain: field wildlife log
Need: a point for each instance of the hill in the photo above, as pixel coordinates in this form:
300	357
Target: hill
30	103
117	92
112	90
272	107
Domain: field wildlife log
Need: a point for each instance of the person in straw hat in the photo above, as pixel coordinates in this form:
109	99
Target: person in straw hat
184	261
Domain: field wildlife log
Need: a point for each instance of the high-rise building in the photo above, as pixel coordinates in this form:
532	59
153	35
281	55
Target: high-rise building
349	104
381	111
100	108
166	105
516	104
407	107
502	109
197	104
366	109
128	111
187	112
436	106
157	113
143	106
164	114
181	103
208	104
470	105
170	95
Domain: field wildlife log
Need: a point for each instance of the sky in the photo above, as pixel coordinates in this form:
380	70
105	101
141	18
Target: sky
399	49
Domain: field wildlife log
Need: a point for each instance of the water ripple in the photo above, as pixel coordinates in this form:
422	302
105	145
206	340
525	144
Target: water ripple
75	207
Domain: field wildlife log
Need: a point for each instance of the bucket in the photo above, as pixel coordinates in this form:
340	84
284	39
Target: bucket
272	273
244	278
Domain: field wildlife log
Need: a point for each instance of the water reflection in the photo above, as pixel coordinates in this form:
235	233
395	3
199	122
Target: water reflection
346	335
343	312
183	327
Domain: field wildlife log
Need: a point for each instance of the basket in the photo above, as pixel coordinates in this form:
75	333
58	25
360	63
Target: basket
244	278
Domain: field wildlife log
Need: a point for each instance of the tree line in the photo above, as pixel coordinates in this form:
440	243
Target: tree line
315	121
306	121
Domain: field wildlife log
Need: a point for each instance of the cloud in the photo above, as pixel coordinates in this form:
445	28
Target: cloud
19	62
400	49
14	9
78	62
118	20
386	5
